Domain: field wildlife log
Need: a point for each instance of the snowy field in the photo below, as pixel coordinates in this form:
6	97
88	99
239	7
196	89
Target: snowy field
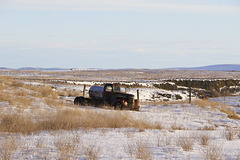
200	130
233	101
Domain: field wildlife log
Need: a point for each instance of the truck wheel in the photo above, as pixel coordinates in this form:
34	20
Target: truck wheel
118	106
78	101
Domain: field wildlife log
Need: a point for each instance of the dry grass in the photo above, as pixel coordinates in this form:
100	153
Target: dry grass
176	126
4	96
207	128
40	91
142	150
70	119
57	103
8	146
163	140
14	146
218	106
69	93
16	123
67	146
229	134
21	92
47	91
204	139
20	95
186	142
213	152
139	149
91	151
20	102
5	80
15	97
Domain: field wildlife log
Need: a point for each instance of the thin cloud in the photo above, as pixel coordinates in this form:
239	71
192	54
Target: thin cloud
123	5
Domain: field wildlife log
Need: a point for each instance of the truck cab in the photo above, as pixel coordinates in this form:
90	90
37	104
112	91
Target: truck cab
115	95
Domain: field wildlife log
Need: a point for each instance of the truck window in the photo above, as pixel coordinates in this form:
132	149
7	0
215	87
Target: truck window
119	89
108	89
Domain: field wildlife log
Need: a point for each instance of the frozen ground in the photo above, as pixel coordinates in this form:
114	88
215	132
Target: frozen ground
233	101
181	123
183	128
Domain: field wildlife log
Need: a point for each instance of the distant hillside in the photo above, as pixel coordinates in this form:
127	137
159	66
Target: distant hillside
39	69
4	68
220	67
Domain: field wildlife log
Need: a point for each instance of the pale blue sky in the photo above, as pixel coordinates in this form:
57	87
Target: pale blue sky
119	34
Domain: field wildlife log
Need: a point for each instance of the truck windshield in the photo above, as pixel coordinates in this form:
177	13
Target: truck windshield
119	89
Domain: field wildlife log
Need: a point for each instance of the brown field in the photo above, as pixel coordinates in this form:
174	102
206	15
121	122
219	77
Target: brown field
120	75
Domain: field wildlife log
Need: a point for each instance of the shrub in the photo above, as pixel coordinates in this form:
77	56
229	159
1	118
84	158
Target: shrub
186	143
204	139
229	134
91	151
138	149
213	152
67	146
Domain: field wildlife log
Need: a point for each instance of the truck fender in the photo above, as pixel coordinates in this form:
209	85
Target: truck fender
123	103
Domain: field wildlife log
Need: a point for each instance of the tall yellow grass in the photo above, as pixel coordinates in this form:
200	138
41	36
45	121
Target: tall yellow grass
70	119
218	106
21	95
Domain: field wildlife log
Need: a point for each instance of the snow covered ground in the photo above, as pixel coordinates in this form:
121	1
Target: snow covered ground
233	101
186	131
181	137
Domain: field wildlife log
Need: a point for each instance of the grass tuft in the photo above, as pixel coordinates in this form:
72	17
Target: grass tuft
91	151
229	134
8	146
218	106
186	142
213	152
138	149
204	139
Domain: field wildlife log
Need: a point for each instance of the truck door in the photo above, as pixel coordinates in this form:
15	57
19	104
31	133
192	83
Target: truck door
108	89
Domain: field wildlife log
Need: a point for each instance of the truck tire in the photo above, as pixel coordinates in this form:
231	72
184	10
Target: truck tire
118	106
78	101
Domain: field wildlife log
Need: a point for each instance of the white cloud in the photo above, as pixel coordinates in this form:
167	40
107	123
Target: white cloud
123	5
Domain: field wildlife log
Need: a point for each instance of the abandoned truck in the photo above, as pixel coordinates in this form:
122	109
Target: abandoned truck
113	95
